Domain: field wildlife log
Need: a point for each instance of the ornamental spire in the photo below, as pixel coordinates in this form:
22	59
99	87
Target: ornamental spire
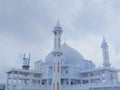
104	41
58	26
58	23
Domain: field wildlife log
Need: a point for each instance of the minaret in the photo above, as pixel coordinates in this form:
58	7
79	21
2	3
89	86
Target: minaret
26	62
57	35
104	47
56	83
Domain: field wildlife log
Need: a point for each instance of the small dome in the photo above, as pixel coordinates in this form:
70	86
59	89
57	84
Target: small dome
70	55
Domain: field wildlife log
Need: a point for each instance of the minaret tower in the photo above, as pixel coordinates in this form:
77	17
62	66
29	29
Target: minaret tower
57	35
104	47
56	83
26	62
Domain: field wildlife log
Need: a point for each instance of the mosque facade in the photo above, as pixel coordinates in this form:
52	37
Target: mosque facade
64	68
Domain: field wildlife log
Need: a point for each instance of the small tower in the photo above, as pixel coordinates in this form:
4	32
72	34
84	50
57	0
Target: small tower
26	62
56	83
57	35
104	47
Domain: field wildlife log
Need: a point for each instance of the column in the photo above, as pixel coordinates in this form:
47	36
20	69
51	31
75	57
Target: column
30	79
101	77
89	81
12	79
70	82
7	80
17	78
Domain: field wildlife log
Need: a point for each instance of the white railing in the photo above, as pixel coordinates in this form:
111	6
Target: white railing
26	87
63	87
94	85
105	84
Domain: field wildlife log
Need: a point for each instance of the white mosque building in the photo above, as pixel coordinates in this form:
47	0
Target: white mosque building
64	68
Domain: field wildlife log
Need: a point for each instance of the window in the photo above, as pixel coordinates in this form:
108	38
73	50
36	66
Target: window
71	83
55	33
66	71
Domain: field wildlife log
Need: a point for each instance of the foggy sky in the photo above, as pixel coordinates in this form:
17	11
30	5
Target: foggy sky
26	27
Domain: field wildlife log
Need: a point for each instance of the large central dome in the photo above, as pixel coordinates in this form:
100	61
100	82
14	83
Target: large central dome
70	55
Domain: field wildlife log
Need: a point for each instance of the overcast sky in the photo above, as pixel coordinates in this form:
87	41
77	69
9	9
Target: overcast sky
26	27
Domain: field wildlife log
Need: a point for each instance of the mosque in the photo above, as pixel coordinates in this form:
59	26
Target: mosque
64	68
